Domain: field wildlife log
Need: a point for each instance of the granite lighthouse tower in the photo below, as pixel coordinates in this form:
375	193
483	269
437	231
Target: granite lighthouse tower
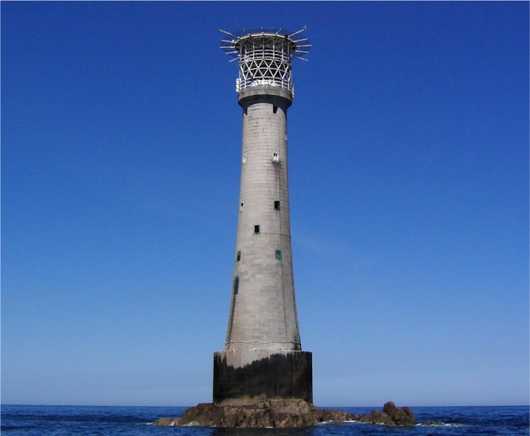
263	357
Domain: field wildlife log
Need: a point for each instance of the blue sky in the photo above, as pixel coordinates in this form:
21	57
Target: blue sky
409	193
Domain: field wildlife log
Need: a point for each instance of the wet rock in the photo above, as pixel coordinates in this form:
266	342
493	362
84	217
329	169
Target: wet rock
377	417
399	415
280	413
327	415
167	422
391	415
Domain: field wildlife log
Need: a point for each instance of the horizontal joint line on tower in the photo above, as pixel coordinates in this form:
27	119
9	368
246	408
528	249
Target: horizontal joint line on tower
273	233
262	343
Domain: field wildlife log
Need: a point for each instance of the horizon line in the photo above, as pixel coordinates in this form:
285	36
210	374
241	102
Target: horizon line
325	406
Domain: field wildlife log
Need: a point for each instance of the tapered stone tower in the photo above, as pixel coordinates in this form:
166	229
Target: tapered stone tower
262	356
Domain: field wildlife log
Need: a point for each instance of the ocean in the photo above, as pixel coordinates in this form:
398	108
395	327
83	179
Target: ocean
137	421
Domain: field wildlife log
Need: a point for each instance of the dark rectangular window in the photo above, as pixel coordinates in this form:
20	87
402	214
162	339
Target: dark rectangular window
236	284
238	257
278	255
256	229
277	205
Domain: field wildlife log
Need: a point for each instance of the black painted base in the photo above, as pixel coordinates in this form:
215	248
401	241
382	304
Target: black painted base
288	375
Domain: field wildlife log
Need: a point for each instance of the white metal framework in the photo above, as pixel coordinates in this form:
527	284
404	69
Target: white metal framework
265	57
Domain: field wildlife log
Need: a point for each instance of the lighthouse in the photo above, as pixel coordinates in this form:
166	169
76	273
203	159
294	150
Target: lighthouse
262	356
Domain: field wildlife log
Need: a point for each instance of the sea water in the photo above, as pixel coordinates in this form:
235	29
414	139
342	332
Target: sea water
138	421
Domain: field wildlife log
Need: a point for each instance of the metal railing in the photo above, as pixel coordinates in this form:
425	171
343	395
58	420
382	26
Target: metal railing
249	83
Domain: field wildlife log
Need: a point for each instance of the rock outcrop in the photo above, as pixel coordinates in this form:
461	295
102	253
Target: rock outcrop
281	413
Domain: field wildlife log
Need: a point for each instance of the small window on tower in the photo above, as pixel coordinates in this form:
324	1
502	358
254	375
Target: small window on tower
256	229
241	204
238	257
236	284
274	109
278	255
277	205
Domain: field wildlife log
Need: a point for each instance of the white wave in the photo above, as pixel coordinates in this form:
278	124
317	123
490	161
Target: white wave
439	424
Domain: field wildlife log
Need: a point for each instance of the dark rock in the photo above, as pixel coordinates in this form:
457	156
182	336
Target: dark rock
390	408
280	413
167	422
400	416
376	417
326	415
252	413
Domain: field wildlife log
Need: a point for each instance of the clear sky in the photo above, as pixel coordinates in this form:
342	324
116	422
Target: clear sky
409	192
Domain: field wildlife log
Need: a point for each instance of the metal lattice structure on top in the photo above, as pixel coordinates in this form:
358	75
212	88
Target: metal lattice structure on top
265	57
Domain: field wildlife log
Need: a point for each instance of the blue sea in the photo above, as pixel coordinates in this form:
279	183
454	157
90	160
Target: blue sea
137	421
